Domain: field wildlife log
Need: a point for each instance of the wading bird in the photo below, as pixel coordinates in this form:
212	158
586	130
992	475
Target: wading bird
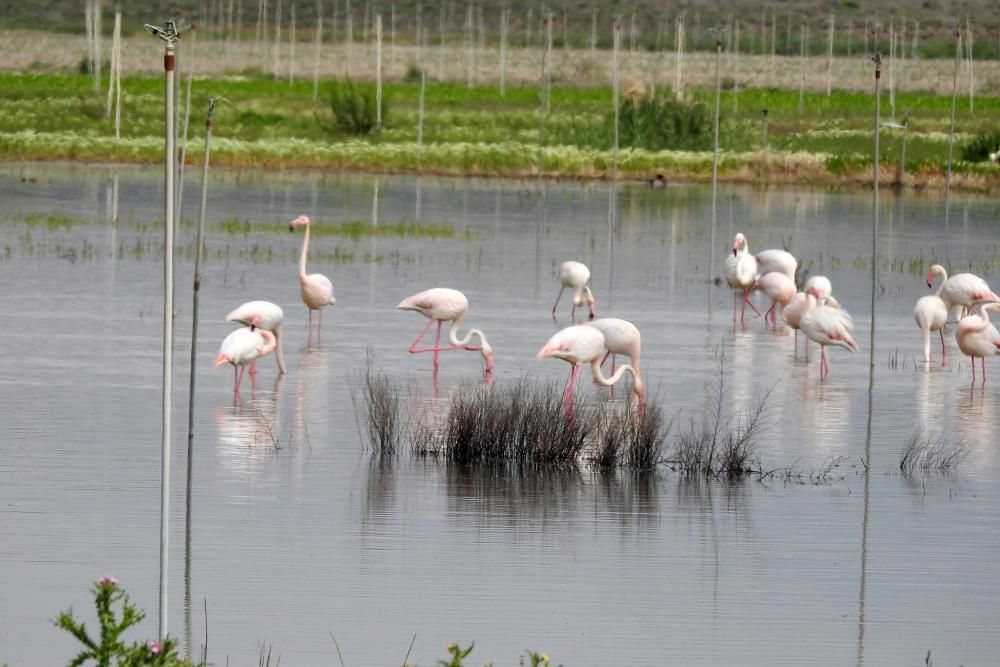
962	289
440	305
315	288
776	261
977	337
800	304
931	313
576	276
779	288
262	315
581	344
828	324
741	272
242	348
820	286
620	337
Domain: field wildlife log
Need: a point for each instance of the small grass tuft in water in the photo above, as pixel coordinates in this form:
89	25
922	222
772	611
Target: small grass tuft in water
382	401
628	437
722	446
927	452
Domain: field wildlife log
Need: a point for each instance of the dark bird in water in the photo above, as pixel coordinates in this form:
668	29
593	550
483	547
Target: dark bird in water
658	181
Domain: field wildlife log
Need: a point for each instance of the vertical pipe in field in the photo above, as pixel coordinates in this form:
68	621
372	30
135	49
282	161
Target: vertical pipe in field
378	71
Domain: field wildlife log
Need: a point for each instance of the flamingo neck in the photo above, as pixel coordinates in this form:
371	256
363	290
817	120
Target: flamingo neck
270	342
304	254
278	350
637	386
944	279
453	335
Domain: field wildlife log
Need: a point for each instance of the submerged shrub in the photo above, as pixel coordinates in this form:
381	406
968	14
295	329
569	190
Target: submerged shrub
981	147
663	121
926	452
353	107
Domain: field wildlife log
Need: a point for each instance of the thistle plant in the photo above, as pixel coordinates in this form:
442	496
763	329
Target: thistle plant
115	614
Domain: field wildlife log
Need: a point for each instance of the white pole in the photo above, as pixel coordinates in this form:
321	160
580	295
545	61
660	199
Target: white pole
802	66
774	45
616	45
968	42
291	47
97	46
469	45
736	66
593	32
349	39
503	52
378	71
875	179
678	65
951	141
547	63
829	59
319	46
892	59
715	131
392	36
184	133
169	37
277	41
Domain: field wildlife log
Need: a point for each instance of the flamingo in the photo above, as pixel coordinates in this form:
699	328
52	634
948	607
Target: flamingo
441	304
800	304
581	344
962	289
620	337
262	315
242	348
576	276
828	324
779	288
977	337
741	271
819	285
315	288
931	313
777	261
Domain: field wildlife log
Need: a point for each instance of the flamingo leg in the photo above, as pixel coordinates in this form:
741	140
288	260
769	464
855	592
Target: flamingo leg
973	370
437	344
769	315
567	399
735	307
984	369
941	331
823	368
253	368
558	296
413	349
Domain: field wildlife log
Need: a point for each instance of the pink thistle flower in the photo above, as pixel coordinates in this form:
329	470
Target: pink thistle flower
154	647
107	581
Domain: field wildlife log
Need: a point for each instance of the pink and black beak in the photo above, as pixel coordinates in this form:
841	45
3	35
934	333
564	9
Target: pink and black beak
736	249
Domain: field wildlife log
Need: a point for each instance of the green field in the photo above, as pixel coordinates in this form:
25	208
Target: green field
262	122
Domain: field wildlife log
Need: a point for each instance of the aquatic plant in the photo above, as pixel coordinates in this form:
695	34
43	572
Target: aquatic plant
353	107
629	437
927	452
383	406
982	147
457	654
663	120
108	648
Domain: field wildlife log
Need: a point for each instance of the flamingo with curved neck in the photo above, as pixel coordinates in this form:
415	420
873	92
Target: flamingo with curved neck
741	274
242	348
977	337
931	313
315	289
580	344
442	304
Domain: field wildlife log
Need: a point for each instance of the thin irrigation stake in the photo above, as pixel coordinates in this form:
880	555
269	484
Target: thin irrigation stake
877	59
184	135
503	51
951	146
616	46
715	153
291	47
319	46
169	35
736	66
199	256
378	71
829	58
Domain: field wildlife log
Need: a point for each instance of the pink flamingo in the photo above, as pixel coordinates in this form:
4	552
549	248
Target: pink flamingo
741	272
242	348
581	344
820	286
977	337
620	337
575	275
963	289
440	305
828	324
262	315
315	288
931	313
800	304
779	288
777	261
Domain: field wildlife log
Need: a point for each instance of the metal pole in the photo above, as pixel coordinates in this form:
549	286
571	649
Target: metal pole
951	147
877	58
715	158
199	256
169	35
902	151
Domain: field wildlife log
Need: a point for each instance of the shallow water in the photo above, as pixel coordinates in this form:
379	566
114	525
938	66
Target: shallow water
295	531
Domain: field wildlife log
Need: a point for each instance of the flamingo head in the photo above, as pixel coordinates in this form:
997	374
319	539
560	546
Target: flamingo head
219	360
936	270
815	292
554	348
829	301
298	222
639	389
487	353
412	303
738	242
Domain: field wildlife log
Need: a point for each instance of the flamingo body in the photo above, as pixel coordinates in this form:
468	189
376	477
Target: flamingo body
779	288
931	313
978	338
963	289
243	347
777	261
741	272
620	337
819	286
262	315
576	276
828	324
800	304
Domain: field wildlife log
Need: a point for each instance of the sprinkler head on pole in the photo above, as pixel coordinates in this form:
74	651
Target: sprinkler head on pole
171	33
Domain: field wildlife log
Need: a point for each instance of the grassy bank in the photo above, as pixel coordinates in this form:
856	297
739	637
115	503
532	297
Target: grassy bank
264	123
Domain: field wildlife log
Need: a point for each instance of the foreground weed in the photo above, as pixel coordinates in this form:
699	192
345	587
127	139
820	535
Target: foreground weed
457	655
108	649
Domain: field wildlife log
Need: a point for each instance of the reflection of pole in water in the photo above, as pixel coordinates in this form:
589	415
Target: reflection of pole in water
539	226
612	228
715	169
419	192
374	241
862	586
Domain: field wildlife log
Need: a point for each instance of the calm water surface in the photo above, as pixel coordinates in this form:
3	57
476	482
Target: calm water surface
290	542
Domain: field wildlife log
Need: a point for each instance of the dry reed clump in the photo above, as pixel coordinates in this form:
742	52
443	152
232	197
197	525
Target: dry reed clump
628	437
927	452
383	404
523	423
723	445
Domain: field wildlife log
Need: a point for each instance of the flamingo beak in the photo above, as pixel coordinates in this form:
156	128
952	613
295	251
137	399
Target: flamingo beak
930	285
735	251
